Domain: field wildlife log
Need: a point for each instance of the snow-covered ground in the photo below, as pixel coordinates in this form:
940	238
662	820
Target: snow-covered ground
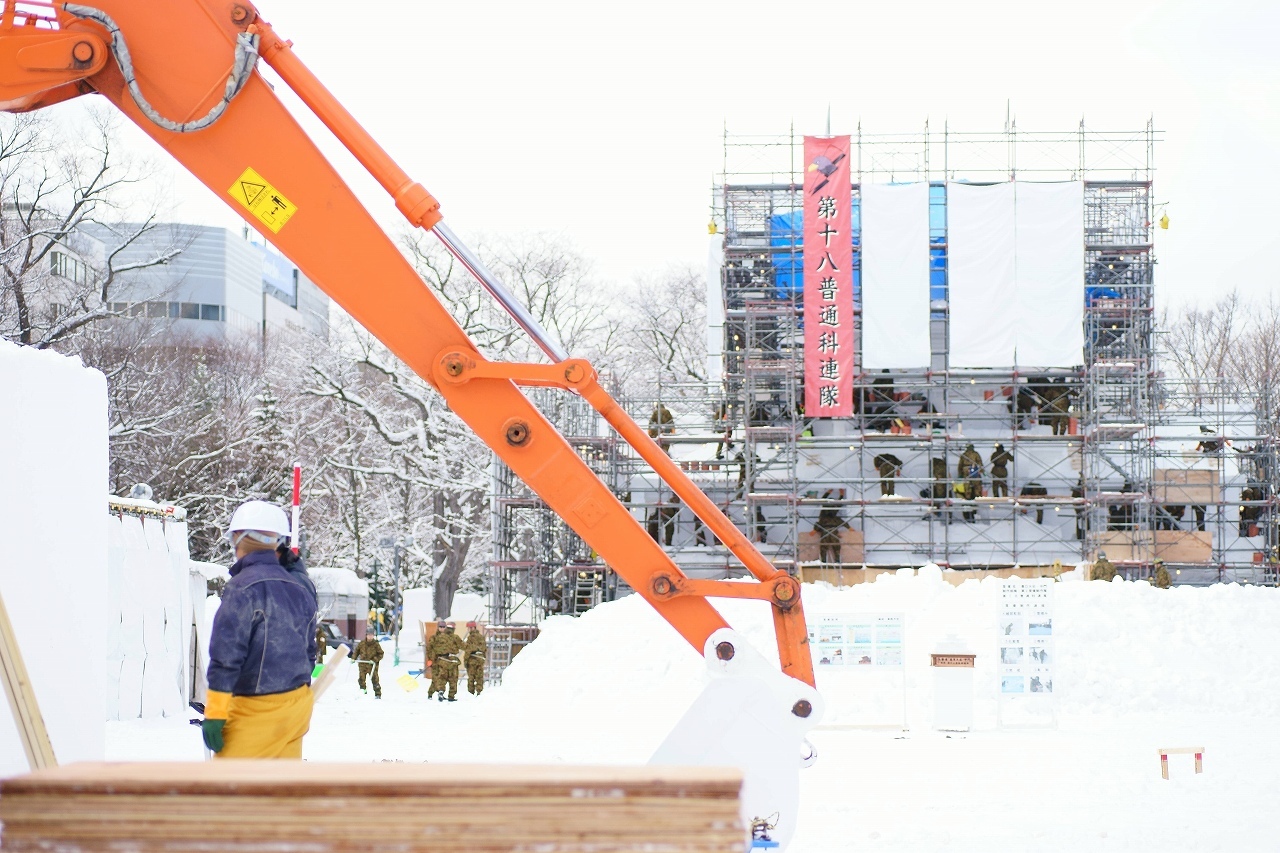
1138	668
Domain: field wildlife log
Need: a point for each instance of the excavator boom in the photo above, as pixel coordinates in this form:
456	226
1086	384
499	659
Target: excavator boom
185	72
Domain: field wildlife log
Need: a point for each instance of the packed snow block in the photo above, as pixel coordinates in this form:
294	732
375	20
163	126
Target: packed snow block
114	637
179	634
419	608
175	615
132	617
152	565
53	521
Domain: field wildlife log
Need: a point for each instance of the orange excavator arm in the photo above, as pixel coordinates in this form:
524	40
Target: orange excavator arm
185	72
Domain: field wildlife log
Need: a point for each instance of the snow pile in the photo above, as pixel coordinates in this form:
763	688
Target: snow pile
53	522
336	581
1122	649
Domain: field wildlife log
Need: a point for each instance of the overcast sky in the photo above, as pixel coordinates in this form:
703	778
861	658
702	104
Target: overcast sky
603	122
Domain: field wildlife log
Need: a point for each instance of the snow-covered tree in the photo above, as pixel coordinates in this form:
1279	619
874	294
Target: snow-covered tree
69	216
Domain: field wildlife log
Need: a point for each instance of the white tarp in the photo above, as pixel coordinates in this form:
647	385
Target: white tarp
895	276
53	522
1015	274
981	282
1050	223
715	309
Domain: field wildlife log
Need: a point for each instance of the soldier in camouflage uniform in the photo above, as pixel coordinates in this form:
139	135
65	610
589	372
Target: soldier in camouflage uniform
1160	579
368	654
443	649
322	642
474	653
1000	460
1103	569
969	471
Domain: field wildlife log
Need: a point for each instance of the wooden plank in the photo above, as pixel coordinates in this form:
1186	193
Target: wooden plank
22	698
281	805
330	671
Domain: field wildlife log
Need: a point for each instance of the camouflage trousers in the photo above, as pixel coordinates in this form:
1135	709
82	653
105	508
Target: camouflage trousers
365	670
443	672
475	678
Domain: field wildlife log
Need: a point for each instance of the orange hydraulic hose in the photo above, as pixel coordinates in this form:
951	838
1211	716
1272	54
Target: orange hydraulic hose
412	199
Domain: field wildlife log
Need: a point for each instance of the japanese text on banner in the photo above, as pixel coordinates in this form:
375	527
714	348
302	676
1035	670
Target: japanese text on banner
828	278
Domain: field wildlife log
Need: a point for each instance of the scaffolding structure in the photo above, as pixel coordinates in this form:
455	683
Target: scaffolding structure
1106	456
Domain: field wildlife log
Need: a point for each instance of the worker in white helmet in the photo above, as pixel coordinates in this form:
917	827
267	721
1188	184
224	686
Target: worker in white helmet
262	648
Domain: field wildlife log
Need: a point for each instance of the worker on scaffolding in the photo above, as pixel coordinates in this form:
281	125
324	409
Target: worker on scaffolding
661	424
888	466
1057	407
828	527
661	520
262	647
723	425
969	472
1000	460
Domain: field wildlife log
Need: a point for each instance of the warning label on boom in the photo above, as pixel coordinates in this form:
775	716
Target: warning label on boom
263	200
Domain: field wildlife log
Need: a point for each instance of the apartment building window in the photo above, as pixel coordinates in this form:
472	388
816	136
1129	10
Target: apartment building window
171	310
65	266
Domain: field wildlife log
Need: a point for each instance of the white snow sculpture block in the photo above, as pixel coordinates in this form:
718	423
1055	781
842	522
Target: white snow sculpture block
53	521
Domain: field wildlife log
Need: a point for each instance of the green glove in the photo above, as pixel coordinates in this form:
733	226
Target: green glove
212	730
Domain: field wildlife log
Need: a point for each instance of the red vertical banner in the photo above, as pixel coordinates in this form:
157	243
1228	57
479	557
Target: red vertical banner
828	278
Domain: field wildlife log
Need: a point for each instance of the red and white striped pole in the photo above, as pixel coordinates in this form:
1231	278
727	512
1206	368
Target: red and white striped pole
297	505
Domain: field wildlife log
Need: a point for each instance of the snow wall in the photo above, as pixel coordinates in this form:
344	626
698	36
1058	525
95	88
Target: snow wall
1123	649
153	663
53	522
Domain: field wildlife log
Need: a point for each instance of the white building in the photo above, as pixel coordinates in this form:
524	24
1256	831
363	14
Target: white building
221	283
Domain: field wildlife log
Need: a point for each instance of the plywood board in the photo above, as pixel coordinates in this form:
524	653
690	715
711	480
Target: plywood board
1182	487
401	807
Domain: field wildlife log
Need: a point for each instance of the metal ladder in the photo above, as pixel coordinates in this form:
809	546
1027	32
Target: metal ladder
587	590
499	655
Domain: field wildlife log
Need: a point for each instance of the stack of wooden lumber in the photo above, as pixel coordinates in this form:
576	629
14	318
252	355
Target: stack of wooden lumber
292	805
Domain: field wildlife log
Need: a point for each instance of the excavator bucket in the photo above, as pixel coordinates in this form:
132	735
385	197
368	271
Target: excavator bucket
752	717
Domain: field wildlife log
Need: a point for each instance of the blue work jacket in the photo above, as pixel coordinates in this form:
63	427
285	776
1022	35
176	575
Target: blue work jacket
264	633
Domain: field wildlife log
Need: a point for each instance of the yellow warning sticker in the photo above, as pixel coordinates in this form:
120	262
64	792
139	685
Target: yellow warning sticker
262	200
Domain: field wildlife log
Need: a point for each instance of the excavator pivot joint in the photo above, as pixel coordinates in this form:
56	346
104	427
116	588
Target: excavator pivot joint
517	432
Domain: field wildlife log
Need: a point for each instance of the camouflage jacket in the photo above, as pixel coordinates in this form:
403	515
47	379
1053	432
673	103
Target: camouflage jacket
367	650
444	643
969	461
476	648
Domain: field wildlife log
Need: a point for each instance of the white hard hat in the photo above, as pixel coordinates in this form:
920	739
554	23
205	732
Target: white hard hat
259	515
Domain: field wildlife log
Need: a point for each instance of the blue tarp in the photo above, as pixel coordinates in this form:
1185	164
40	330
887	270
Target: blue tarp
786	233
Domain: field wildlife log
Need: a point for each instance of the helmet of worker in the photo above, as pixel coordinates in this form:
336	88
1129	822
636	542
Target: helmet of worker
441	625
448	626
471	624
1102	555
260	522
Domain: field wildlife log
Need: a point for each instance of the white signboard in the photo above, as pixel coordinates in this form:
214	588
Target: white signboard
858	640
1026	638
